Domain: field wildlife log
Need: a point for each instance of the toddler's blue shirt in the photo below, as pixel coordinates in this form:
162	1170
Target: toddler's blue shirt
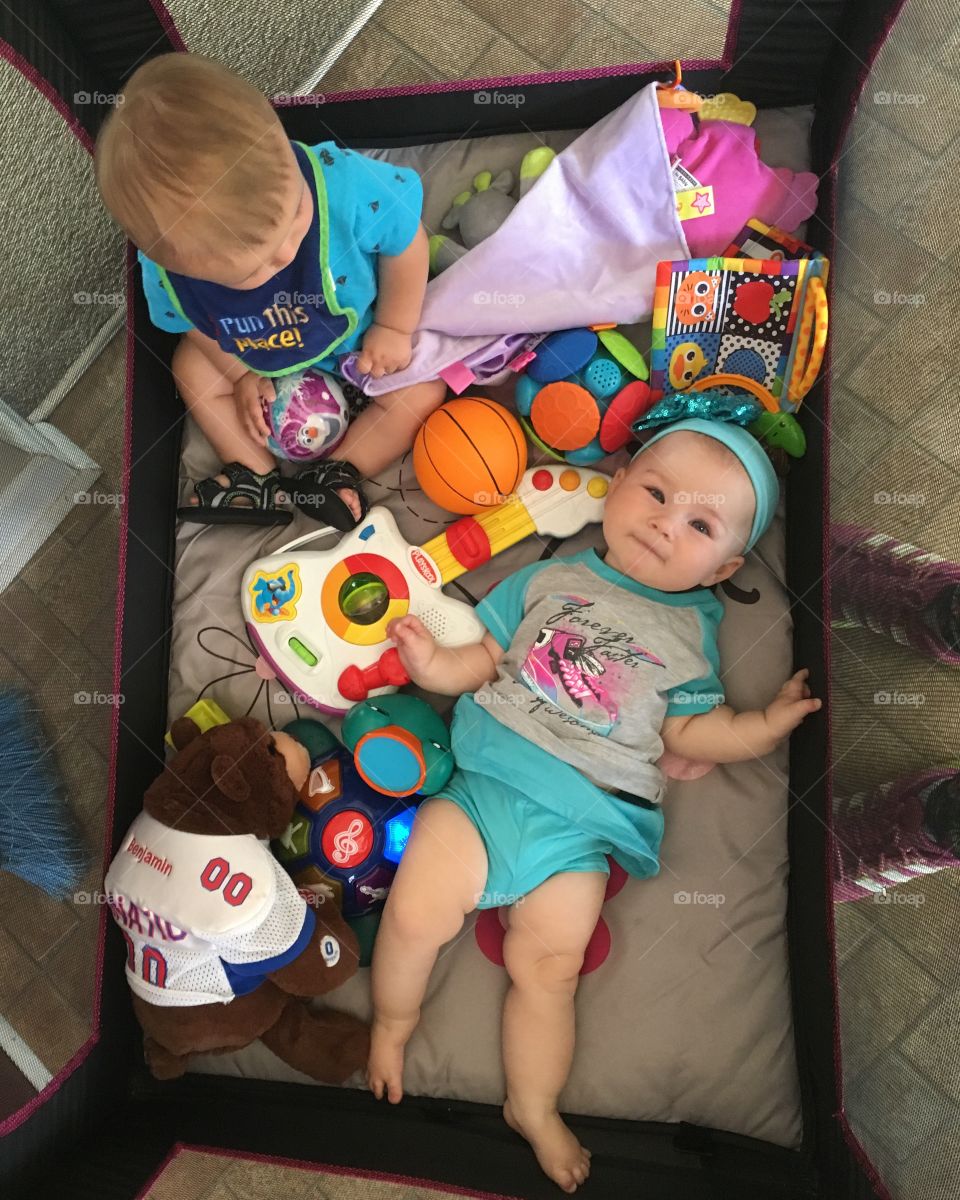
374	208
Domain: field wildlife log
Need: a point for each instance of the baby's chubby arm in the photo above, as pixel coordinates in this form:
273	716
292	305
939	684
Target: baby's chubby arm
723	735
402	281
449	670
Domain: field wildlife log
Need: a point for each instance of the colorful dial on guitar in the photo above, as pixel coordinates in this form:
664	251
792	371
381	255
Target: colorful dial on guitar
360	595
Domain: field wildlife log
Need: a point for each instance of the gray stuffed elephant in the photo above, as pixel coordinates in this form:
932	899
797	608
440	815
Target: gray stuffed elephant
477	213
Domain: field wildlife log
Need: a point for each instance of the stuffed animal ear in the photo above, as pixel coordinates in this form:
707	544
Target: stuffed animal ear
452	219
503	182
183	731
229	778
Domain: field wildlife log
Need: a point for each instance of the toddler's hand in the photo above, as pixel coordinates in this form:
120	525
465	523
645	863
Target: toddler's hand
416	645
792	703
250	393
384	351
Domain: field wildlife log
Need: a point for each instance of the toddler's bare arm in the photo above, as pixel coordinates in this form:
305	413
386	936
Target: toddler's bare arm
449	670
726	736
401	283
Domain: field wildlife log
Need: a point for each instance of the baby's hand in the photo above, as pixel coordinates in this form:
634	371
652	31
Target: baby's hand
250	393
792	703
416	645
384	351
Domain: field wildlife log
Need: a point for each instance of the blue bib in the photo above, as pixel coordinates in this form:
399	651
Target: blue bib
289	322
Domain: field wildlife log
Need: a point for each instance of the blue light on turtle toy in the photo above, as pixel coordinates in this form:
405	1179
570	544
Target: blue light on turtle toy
582	392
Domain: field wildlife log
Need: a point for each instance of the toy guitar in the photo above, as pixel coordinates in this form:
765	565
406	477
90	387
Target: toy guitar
319	617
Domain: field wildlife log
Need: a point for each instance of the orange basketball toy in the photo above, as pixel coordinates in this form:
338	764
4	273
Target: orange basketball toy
469	455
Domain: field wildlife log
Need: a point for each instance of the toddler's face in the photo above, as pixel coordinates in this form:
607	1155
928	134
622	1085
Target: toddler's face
679	516
249	266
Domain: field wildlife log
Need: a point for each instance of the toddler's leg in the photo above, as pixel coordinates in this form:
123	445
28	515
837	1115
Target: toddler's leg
208	395
440	877
385	429
543	953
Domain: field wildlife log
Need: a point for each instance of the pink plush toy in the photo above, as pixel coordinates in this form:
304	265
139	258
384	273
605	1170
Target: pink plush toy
723	155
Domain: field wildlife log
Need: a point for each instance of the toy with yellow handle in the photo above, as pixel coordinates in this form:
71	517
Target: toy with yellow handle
811	342
319	617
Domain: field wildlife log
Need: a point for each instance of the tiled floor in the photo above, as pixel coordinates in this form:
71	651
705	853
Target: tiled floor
59	618
894	434
419	41
194	1175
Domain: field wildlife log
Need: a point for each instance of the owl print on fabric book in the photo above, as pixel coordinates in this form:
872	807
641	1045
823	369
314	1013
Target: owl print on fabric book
727	316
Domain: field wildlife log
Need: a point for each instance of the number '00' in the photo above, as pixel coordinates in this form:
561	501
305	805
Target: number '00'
216	877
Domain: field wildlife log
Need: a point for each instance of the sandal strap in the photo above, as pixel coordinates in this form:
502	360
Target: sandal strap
315	492
260	490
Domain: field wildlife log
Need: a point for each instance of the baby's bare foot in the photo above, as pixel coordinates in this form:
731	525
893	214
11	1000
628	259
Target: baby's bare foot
558	1152
385	1064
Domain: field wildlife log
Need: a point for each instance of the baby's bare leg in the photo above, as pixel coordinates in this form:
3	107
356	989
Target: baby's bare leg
441	874
543	953
208	395
385	429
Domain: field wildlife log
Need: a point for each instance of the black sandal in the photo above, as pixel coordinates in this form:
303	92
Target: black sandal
314	492
215	501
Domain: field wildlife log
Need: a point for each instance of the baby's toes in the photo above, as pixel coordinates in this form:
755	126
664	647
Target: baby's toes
351	500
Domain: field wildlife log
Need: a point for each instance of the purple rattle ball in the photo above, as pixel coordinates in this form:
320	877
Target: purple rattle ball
309	417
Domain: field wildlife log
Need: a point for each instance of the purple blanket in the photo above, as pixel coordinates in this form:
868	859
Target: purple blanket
579	249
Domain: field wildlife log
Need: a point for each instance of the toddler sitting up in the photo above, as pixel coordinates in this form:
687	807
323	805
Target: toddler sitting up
269	257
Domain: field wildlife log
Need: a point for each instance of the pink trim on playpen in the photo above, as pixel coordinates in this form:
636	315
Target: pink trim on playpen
327	1168
169	28
854	1143
498	81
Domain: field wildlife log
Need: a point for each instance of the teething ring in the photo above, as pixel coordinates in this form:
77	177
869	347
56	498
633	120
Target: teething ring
812	342
757	390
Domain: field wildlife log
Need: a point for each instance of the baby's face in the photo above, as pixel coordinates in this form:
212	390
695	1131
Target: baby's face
249	266
679	516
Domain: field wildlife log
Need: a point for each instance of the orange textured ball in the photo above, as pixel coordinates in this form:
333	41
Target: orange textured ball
469	455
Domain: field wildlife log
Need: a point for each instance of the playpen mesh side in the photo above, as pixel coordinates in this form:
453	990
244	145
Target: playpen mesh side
895	670
61	272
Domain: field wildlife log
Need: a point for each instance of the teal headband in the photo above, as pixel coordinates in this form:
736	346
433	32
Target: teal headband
751	454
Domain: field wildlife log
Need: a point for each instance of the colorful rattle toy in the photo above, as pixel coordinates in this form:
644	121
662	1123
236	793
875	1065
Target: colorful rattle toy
582	392
400	745
309	417
319	617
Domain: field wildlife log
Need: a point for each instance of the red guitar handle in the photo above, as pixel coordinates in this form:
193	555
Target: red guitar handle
355	684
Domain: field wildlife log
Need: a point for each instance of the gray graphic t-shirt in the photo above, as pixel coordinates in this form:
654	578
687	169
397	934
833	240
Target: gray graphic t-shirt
594	663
